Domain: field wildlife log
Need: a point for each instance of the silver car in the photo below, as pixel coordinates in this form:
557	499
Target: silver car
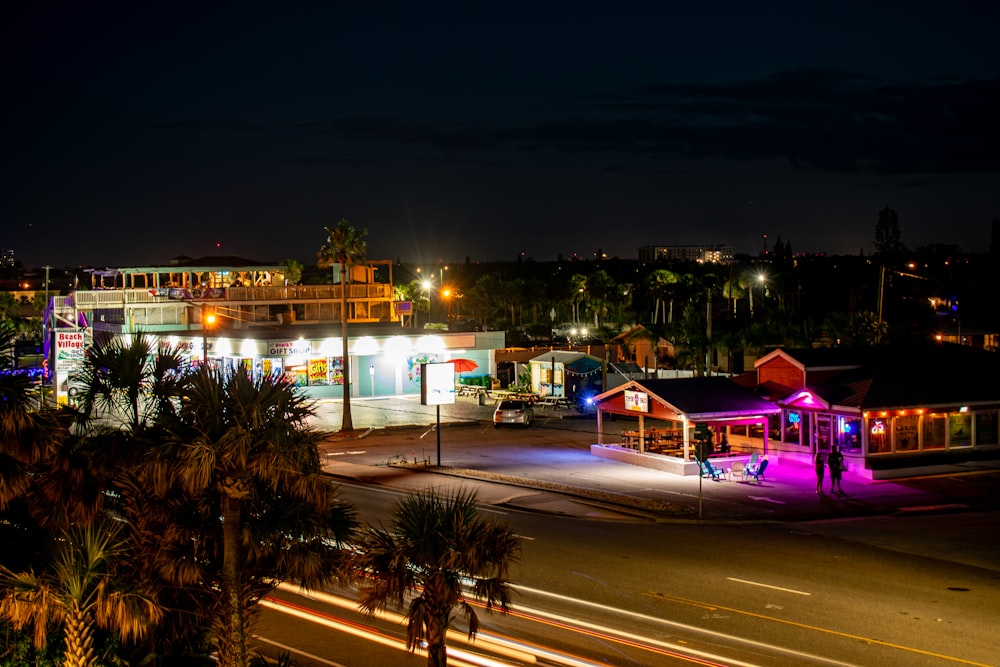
513	412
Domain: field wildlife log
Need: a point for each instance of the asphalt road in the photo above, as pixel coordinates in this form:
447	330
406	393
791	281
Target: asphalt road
630	590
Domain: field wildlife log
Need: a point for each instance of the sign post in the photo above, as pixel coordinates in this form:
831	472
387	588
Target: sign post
437	388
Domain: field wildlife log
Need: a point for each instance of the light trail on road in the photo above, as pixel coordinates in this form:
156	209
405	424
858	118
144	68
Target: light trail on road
804	626
524	652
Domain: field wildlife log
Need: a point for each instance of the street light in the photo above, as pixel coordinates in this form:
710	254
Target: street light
207	322
446	294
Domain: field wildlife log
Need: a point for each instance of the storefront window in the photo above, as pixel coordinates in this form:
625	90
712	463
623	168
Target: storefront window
318	372
849	432
878	436
336	370
933	431
986	428
960	429
907	433
774	427
793	427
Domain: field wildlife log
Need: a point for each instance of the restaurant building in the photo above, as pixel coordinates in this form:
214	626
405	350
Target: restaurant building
893	410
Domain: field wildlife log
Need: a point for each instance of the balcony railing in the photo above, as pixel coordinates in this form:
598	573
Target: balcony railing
88	299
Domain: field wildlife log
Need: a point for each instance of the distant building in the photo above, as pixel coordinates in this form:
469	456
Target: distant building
7	259
232	312
714	254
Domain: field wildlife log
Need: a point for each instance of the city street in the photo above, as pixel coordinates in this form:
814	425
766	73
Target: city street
772	575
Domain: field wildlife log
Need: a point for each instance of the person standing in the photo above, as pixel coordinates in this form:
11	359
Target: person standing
820	467
836	463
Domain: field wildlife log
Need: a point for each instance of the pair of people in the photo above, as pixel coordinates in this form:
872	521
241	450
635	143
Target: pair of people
835	461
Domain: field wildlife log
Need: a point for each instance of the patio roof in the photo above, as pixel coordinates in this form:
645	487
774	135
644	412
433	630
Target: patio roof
699	398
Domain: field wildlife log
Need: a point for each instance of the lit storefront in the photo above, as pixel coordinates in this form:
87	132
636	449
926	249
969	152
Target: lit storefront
888	408
381	365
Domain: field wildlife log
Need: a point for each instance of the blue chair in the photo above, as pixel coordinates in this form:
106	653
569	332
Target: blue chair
708	470
757	472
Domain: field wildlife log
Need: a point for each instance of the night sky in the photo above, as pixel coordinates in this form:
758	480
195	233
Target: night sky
137	132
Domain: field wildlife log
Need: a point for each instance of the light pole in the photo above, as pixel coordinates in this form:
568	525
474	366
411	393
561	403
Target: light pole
762	279
446	294
881	282
207	322
427	288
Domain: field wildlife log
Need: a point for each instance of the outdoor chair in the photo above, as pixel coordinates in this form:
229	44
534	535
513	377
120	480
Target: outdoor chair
754	460
708	470
757	472
738	470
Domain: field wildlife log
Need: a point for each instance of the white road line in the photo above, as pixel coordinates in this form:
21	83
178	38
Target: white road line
777	588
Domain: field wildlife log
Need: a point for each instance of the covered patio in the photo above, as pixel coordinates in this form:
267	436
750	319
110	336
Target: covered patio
676	407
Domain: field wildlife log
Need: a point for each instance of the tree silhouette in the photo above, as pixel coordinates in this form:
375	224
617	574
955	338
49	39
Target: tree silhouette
888	234
346	247
436	546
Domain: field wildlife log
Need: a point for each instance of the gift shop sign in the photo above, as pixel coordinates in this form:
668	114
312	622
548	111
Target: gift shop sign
286	348
70	347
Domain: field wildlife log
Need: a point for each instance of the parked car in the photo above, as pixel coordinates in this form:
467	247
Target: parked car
513	412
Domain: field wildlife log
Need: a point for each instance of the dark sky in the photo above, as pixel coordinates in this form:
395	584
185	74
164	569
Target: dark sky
136	132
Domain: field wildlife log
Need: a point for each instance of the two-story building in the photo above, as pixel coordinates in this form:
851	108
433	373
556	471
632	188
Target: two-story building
231	311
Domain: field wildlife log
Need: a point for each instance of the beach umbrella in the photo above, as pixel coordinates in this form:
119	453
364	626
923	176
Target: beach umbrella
464	365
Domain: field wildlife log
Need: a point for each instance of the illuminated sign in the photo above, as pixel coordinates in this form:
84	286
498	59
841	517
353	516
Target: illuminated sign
636	401
70	347
437	384
878	427
286	348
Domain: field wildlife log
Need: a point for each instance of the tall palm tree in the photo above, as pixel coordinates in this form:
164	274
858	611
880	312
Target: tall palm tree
241	446
346	247
660	284
80	592
600	287
577	294
434	545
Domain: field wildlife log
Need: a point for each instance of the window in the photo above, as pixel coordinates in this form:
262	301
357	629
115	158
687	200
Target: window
960	429
793	427
774	427
933	431
907	433
986	428
849	434
878	436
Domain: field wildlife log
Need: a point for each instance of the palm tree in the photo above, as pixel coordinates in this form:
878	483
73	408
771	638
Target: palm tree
434	546
600	286
242	448
660	284
118	375
81	593
293	270
346	247
577	295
